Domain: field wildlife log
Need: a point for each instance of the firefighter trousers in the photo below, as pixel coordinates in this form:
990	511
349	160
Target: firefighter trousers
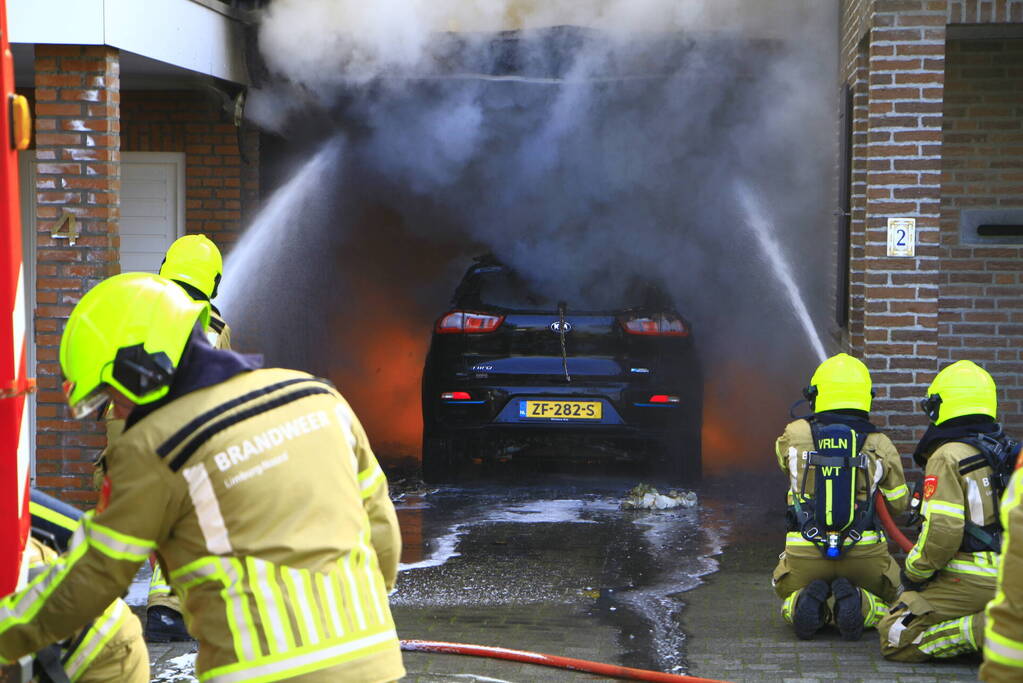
945	619
872	570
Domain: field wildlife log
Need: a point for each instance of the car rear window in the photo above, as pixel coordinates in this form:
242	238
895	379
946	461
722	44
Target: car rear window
499	286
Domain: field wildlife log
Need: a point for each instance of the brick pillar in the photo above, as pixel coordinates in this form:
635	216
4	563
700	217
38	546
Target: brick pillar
904	136
77	121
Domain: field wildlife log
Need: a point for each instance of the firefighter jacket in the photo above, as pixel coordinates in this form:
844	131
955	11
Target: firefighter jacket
884	470
96	648
1003	637
219	333
957	490
262	498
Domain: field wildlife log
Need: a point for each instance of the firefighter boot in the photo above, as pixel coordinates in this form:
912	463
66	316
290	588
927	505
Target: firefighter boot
811	609
164	625
848	609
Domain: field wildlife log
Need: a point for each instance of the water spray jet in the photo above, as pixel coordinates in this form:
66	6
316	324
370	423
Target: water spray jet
779	265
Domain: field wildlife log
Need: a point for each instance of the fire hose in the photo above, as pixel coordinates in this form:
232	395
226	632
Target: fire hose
572	664
889	524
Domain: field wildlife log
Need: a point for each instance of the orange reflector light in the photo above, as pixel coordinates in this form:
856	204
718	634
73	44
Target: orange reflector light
21	122
456	396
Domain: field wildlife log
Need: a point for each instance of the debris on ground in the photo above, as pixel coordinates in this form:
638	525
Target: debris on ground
646	497
404	488
180	669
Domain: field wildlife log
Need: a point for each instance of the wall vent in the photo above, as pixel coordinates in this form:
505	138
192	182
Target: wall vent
991	226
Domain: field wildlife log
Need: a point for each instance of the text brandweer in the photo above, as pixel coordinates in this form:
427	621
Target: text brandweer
274	436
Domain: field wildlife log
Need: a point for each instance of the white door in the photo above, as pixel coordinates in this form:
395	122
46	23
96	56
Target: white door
152	207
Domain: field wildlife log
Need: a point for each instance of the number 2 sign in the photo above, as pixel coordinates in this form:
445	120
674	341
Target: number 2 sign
901	236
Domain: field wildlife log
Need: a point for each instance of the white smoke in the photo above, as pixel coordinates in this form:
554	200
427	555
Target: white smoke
587	142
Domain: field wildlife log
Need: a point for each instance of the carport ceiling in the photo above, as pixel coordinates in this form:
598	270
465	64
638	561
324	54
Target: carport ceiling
137	72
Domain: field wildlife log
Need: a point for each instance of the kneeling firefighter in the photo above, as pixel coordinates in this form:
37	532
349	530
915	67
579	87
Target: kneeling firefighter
951	571
110	648
836	566
257	489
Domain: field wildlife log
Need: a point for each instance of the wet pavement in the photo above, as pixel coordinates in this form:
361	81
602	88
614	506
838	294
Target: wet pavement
548	562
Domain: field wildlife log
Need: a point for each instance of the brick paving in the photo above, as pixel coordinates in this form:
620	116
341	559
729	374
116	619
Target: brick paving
734	631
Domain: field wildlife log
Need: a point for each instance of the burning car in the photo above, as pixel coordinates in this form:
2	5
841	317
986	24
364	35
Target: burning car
510	368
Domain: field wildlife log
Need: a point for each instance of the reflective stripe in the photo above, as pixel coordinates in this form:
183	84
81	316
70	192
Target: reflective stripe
353	591
18	608
201	570
949	638
51	516
942	508
1001	649
370	567
302	606
916	554
207	509
157	584
976	503
794	538
876	609
794	470
344	416
115	544
309	661
788	605
895	633
895	493
328	597
369	480
238	617
280	605
964	567
269	613
98	636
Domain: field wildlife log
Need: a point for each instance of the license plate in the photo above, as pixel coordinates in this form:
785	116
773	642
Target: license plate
560	410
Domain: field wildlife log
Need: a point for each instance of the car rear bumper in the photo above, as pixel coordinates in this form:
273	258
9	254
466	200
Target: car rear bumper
624	412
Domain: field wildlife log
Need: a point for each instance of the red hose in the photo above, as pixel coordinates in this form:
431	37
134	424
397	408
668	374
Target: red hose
610	670
889	524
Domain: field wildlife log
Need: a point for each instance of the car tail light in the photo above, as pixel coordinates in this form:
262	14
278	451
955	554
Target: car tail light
663	398
456	396
656	325
464	322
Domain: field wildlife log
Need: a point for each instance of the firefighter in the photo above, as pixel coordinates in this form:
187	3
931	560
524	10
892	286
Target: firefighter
110	648
841	572
193	262
950	573
1003	634
257	489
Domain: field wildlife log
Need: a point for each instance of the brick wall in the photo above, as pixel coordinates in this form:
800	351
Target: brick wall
981	300
77	138
221	182
985	11
903	163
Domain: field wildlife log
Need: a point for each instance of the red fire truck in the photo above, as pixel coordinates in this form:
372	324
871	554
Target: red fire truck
15	124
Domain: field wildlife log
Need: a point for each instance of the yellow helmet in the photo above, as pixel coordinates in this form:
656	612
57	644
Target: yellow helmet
194	260
128	332
963	388
840	382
